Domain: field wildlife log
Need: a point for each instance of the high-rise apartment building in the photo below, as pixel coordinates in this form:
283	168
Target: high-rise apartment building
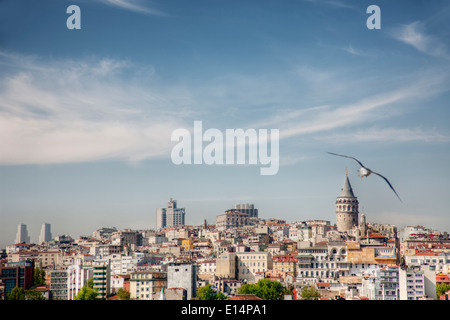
161	218
77	277
102	278
46	234
417	282
22	234
170	216
58	284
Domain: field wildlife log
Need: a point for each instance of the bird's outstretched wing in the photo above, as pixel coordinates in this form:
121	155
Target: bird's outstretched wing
390	185
341	155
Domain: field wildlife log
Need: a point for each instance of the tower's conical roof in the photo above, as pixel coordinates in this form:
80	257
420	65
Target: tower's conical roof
347	191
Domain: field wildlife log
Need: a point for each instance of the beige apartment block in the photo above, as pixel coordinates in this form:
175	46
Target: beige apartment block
147	285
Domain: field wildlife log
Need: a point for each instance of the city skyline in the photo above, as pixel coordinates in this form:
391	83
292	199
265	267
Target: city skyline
86	116
246	208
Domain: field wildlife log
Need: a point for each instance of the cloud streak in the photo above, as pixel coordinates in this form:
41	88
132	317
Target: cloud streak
333	119
82	112
414	34
99	109
135	6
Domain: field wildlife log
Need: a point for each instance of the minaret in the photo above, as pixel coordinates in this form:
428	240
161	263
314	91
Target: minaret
346	208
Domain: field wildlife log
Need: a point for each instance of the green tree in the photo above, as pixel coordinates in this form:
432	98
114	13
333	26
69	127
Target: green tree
90	284
441	288
310	293
265	289
38	277
208	293
17	293
34	295
87	292
123	294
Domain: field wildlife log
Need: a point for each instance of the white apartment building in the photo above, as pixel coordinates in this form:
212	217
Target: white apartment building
383	285
417	282
249	264
437	261
118	281
322	262
208	267
77	277
124	264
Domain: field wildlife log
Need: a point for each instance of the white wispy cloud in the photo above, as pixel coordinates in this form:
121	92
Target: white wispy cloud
415	34
75	111
57	111
361	112
376	134
134	5
359	52
330	122
333	3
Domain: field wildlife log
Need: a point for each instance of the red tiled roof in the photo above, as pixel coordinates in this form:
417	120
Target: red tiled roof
323	284
442	278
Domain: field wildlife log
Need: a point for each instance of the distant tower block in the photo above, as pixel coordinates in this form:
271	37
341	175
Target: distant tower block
46	234
346	208
22	234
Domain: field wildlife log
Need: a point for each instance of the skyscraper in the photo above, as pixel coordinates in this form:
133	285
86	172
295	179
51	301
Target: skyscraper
22	234
170	216
161	220
46	234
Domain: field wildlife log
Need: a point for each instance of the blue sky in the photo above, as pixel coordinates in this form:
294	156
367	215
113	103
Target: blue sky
86	115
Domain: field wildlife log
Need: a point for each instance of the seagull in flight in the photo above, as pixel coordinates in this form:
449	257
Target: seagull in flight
365	172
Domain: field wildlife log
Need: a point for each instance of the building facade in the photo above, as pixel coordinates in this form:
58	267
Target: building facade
322	262
147	285
248	209
183	276
16	274
232	219
172	216
102	279
417	282
58	284
226	265
251	264
77	277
